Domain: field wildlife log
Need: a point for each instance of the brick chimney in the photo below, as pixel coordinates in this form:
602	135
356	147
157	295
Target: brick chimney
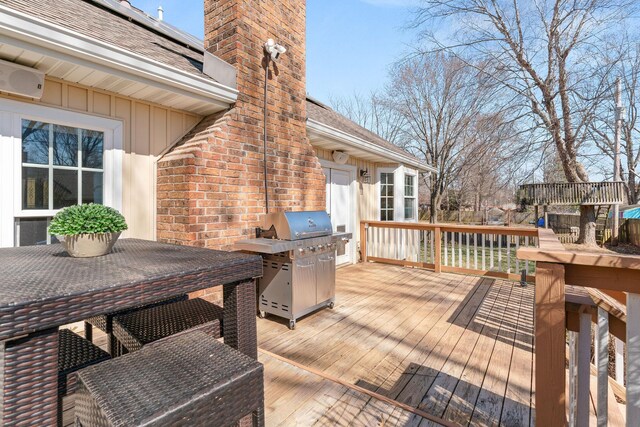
211	186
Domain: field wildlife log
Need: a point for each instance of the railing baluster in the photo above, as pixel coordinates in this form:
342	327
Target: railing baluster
603	366
491	251
483	257
460	249
516	257
584	367
453	249
467	236
508	242
475	250
619	345
573	373
446	256
633	358
499	252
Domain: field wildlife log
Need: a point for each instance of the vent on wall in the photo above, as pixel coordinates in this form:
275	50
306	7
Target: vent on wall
20	80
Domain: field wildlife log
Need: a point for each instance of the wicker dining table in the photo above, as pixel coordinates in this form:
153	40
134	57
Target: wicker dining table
42	288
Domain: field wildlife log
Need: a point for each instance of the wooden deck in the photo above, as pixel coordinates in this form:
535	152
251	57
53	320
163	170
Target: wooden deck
453	346
457	347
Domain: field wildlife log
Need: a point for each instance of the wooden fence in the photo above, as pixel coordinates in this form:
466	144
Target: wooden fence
484	250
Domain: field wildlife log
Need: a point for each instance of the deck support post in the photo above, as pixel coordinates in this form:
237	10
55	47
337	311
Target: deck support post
550	344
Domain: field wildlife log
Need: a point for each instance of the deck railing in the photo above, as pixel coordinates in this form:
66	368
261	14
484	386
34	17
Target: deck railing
485	250
573	193
618	277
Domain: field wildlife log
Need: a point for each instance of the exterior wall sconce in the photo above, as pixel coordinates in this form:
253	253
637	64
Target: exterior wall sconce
365	177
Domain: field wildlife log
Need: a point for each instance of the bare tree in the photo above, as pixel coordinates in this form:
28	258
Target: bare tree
448	118
374	113
627	68
546	54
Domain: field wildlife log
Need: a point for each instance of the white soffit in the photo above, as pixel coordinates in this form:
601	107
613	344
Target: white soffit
328	138
75	58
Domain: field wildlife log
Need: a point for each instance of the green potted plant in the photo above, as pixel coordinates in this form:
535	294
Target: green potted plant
87	230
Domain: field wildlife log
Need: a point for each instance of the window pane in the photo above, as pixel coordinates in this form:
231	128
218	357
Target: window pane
409	186
65	188
35	188
92	149
35	142
92	187
409	208
33	231
65	146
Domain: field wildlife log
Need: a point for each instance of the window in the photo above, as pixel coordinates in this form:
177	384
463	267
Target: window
61	166
409	196
386	196
51	158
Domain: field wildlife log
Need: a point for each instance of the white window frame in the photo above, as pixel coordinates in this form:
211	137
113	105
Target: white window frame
11	115
392	171
414	197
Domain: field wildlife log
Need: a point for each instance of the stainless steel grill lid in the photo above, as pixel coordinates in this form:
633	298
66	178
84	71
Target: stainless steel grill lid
299	225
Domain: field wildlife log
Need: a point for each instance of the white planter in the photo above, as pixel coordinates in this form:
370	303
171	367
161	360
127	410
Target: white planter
89	245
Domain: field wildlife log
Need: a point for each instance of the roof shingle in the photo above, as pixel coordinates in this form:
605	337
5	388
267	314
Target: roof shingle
105	25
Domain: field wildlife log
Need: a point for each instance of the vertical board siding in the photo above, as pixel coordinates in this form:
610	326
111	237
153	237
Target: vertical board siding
148	130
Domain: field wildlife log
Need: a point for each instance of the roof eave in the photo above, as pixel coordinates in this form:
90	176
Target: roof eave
49	38
356	142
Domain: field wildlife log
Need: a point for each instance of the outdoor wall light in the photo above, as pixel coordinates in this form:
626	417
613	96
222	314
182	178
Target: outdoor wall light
365	176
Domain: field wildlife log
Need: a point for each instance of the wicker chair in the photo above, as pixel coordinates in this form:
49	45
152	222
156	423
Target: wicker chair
74	353
186	380
135	329
105	322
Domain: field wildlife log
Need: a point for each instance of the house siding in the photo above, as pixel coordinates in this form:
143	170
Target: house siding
148	131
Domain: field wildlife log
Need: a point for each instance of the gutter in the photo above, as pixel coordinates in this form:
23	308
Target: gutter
30	33
355	142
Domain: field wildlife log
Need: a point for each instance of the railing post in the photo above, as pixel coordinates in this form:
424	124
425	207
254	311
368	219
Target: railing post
363	241
438	255
550	345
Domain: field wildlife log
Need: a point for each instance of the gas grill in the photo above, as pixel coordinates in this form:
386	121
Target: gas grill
299	263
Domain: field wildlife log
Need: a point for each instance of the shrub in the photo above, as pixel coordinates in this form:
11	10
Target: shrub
87	219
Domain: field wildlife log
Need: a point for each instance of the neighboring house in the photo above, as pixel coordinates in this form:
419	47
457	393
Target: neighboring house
137	115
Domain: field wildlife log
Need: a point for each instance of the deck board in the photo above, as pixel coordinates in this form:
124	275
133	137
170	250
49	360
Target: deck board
443	343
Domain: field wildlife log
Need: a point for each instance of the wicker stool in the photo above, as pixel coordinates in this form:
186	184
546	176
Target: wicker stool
133	330
105	322
74	353
187	380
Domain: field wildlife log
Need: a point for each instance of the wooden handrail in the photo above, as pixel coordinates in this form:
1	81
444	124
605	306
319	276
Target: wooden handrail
617	276
465	233
573	193
484	229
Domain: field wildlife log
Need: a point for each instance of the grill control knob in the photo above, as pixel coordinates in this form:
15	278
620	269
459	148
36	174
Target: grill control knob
300	250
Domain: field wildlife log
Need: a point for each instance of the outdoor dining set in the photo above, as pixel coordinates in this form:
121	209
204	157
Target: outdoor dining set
164	363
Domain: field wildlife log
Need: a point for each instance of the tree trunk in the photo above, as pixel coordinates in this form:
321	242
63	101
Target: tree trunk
587	226
434	209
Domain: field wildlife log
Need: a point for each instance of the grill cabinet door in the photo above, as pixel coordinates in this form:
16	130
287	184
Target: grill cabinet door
326	288
304	284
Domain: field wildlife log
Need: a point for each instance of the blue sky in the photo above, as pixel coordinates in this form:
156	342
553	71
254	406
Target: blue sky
350	43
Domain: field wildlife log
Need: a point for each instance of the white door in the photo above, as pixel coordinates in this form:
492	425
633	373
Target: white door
340	207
